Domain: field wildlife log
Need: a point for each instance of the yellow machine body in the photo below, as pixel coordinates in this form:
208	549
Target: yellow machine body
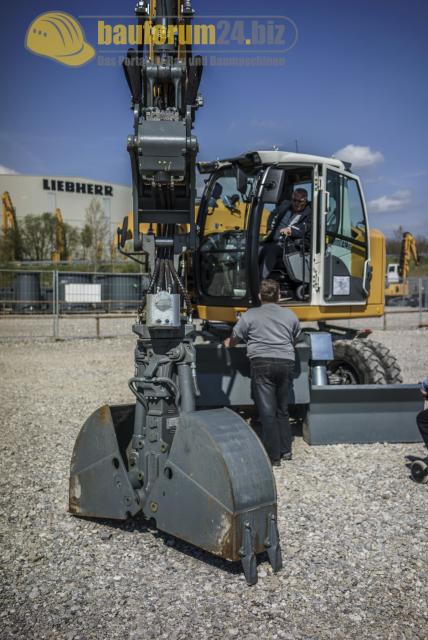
312	313
226	220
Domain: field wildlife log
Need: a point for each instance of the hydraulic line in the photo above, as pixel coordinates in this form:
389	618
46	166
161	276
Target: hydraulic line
181	289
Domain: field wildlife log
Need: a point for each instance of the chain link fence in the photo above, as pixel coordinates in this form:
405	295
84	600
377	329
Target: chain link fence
66	304
413	293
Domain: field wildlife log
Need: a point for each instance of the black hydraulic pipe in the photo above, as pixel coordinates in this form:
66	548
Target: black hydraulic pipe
187	392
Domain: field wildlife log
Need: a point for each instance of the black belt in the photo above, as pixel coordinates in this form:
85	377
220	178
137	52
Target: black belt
261	359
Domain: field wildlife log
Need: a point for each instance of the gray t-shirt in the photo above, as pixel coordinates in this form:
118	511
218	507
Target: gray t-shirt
270	331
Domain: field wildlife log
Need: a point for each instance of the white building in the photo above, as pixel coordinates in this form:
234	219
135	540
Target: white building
40	194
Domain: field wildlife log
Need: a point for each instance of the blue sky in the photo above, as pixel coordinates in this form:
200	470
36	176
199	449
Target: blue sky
355	80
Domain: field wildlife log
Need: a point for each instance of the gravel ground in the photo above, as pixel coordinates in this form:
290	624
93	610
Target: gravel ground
13	328
353	527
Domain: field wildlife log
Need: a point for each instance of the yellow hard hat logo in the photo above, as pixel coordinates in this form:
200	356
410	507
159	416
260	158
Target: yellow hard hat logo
59	36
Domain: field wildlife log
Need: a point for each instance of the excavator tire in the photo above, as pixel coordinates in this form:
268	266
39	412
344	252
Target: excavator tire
387	360
355	363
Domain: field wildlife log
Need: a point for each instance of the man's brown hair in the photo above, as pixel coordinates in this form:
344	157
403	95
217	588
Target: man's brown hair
269	291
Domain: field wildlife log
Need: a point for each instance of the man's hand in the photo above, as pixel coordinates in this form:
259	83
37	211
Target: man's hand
231	342
286	231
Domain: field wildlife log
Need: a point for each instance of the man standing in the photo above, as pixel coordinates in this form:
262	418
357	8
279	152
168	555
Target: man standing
270	332
293	220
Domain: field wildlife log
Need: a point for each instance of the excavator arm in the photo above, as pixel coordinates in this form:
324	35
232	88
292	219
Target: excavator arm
59	252
163	78
10	226
409	250
203	476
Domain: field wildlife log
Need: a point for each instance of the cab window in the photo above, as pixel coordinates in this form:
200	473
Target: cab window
224	236
346	242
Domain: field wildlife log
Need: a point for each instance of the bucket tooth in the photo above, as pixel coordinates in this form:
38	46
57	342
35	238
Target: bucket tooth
273	546
248	557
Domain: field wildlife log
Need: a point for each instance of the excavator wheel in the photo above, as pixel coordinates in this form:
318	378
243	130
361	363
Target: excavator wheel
387	360
419	471
355	363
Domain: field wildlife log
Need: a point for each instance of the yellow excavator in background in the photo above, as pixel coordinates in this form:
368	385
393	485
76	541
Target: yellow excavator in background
60	251
10	227
397	285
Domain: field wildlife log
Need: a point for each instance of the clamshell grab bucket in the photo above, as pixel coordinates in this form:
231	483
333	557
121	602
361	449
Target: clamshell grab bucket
213	488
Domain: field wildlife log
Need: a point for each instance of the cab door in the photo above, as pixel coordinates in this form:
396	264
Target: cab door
345	241
224	268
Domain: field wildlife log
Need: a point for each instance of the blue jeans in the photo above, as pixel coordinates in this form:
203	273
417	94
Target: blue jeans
270	382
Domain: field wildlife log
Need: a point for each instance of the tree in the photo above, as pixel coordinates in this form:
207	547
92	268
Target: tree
393	245
10	246
71	240
38	236
95	232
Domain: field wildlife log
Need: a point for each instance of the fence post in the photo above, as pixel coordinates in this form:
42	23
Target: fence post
420	292
97	325
55	305
384	320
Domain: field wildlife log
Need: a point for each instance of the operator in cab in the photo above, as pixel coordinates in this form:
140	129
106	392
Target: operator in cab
288	220
271	332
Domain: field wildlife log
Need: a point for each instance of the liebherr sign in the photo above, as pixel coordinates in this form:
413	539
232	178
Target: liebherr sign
77	187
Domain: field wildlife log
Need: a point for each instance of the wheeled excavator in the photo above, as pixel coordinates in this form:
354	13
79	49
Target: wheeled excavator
10	227
60	251
181	454
397	284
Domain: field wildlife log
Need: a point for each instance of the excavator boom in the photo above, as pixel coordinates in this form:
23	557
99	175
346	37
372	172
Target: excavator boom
10	226
202	476
409	250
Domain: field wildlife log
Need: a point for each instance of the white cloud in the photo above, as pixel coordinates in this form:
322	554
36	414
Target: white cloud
4	170
394	202
359	156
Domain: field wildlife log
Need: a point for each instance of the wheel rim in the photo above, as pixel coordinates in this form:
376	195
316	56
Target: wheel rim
342	372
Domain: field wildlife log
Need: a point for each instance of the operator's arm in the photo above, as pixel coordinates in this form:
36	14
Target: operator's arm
301	228
293	231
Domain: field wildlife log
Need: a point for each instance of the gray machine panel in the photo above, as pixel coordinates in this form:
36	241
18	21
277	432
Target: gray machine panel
224	376
363	414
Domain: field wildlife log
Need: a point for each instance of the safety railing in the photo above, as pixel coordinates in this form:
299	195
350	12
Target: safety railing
64	304
39	297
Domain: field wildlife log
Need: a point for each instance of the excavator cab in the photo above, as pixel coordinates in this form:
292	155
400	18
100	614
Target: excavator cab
330	265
